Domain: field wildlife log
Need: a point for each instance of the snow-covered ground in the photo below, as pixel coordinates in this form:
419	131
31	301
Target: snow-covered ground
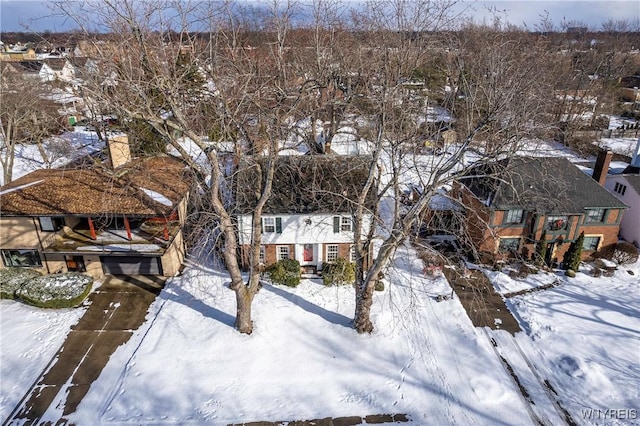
187	364
60	149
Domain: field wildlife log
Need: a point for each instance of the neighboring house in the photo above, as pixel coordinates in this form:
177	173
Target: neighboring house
121	220
54	69
309	214
509	203
626	186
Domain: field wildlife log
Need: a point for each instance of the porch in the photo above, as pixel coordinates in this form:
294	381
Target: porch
142	237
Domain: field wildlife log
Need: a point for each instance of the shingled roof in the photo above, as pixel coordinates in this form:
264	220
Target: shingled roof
548	185
305	184
143	187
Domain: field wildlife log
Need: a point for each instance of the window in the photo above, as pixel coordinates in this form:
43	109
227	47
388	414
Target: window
283	252
514	216
341	223
51	224
620	188
262	256
352	254
21	258
556	223
595	215
332	253
591	243
509	245
271	225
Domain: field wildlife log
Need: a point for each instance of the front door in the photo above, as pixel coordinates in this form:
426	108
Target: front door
75	264
307	253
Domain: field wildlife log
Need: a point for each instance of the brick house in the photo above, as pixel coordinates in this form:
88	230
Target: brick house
509	203
123	218
309	214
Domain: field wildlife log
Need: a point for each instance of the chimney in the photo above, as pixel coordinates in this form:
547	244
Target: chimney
635	160
119	153
601	169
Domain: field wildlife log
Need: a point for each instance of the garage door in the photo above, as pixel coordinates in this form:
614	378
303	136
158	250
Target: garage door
131	265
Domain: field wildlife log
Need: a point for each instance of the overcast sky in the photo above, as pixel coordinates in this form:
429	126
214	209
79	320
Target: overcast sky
36	15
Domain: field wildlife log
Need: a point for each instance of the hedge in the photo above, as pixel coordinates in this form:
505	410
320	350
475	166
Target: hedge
56	291
11	279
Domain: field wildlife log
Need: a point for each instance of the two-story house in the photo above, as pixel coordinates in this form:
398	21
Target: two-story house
123	218
309	216
509	203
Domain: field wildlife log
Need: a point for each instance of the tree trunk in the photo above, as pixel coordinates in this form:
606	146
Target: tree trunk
362	318
243	324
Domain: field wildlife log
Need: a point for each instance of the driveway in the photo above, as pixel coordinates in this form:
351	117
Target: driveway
115	310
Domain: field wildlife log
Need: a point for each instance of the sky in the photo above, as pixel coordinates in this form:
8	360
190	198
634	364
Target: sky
37	15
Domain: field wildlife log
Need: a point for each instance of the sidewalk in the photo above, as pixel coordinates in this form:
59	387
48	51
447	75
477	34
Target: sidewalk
116	309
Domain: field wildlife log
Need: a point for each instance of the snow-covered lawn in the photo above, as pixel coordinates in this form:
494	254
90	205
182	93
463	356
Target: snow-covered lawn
29	338
187	364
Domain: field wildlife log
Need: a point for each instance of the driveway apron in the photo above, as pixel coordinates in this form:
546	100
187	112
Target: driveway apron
116	309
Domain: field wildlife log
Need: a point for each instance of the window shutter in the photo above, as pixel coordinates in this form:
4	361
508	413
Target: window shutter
262	225
278	225
336	224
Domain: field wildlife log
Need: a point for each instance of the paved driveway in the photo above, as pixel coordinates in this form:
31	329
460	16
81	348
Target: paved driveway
116	309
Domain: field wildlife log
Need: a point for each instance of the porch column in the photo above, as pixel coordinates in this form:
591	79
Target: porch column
127	227
92	230
166	231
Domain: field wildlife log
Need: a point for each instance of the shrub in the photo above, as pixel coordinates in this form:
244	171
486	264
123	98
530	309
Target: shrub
379	285
570	273
541	250
56	290
11	279
339	272
622	253
573	256
285	272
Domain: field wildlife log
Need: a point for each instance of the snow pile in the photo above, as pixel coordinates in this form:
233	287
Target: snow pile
157	197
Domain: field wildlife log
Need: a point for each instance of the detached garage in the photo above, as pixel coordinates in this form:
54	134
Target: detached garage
129	265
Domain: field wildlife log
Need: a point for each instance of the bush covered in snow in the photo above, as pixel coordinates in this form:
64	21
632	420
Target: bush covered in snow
11	279
286	272
56	291
339	272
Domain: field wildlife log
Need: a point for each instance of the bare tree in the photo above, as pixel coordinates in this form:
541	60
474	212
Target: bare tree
496	103
26	117
215	92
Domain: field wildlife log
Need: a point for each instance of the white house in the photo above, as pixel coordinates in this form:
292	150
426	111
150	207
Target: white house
309	214
626	186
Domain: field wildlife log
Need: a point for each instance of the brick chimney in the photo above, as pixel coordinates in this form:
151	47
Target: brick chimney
601	168
119	152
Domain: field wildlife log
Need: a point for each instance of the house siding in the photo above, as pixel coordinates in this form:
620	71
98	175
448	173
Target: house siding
486	228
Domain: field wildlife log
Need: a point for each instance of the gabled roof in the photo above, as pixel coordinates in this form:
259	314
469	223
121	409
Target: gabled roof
305	184
549	185
56	64
143	187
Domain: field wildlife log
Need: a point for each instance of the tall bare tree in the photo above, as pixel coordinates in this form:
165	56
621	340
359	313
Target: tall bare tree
216	91
26	117
496	103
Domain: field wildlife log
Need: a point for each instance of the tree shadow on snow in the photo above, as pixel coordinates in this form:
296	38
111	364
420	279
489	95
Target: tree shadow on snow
180	295
329	316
